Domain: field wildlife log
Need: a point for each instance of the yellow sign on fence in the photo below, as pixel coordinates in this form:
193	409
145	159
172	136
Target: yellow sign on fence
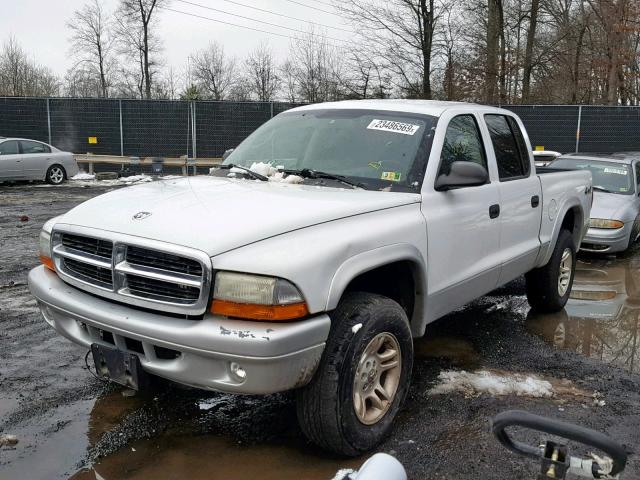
93	140
539	148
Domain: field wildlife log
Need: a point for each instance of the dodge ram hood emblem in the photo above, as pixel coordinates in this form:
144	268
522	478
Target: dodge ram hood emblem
141	215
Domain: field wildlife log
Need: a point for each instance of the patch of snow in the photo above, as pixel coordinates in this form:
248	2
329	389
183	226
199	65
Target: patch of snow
83	176
356	327
484	381
344	474
265	169
134	179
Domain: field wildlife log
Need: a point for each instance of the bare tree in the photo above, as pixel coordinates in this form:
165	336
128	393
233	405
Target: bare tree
213	72
262	74
316	66
289	82
528	54
136	22
401	32
20	76
91	42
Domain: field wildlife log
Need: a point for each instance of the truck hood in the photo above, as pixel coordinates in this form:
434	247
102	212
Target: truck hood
611	205
216	215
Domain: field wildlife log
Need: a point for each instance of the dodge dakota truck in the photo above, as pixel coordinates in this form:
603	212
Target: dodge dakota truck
324	243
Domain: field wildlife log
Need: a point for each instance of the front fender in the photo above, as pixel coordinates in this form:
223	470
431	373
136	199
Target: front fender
372	259
322	259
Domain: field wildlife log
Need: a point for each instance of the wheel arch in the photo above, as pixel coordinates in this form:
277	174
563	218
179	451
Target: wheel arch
572	219
397	271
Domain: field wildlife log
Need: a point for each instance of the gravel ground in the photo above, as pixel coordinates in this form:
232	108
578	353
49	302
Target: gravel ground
71	425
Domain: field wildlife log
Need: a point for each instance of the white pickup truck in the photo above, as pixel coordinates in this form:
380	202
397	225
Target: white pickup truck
323	245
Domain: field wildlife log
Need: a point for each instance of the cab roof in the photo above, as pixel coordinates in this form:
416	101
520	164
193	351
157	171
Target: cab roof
434	108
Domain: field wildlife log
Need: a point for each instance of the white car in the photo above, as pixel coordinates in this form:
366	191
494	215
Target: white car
22	159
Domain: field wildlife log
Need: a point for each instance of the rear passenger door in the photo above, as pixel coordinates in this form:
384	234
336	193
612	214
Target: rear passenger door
10	165
520	197
35	159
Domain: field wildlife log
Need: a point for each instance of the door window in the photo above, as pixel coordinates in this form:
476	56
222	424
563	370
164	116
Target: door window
462	143
9	147
510	148
27	146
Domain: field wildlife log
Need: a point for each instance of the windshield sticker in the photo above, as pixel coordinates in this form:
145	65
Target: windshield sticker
617	171
391	176
391	126
376	165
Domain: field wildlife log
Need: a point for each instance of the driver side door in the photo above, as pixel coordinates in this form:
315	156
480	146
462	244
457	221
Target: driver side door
463	225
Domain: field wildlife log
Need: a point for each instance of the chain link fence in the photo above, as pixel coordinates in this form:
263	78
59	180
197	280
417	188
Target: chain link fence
205	129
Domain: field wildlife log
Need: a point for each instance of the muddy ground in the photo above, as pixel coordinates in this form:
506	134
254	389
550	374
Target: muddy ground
71	425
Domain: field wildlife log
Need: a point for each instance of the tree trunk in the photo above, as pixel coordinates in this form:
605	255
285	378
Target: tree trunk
528	53
147	74
426	14
491	65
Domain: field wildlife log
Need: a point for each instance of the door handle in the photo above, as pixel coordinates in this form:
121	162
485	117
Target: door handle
494	211
535	201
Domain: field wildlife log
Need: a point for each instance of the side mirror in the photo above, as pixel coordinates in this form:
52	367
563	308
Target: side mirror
227	153
462	174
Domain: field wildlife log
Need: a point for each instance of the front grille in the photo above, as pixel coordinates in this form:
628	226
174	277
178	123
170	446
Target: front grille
158	288
163	261
94	246
90	272
131	273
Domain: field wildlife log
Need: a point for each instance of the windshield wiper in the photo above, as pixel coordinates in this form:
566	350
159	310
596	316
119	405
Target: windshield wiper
229	166
310	173
601	189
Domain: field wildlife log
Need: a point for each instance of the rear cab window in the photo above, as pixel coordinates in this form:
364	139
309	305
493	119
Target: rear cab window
512	155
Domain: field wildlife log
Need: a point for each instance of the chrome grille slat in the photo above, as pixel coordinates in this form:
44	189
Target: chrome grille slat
157	274
79	256
122	268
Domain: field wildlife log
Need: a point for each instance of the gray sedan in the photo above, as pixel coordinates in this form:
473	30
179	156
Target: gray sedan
615	214
22	159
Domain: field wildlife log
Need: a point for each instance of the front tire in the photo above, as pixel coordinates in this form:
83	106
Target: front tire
363	377
549	287
56	174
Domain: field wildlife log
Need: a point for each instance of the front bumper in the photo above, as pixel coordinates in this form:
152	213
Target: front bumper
198	353
607	240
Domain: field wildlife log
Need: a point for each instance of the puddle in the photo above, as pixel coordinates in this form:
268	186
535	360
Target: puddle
602	318
210	457
458	351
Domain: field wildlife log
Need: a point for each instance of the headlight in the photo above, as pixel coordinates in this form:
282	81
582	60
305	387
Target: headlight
256	297
45	244
604	223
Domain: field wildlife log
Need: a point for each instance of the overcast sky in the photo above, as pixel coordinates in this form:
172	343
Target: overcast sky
40	27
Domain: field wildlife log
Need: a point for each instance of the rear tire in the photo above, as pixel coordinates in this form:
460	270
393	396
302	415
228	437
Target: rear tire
56	174
549	287
366	330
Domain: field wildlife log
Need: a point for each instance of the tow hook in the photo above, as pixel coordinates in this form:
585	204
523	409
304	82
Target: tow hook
554	457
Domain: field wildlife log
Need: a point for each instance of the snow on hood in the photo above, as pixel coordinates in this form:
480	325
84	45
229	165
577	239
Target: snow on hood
611	206
216	214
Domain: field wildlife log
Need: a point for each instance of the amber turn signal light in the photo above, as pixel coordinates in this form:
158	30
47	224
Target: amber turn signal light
47	262
252	311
